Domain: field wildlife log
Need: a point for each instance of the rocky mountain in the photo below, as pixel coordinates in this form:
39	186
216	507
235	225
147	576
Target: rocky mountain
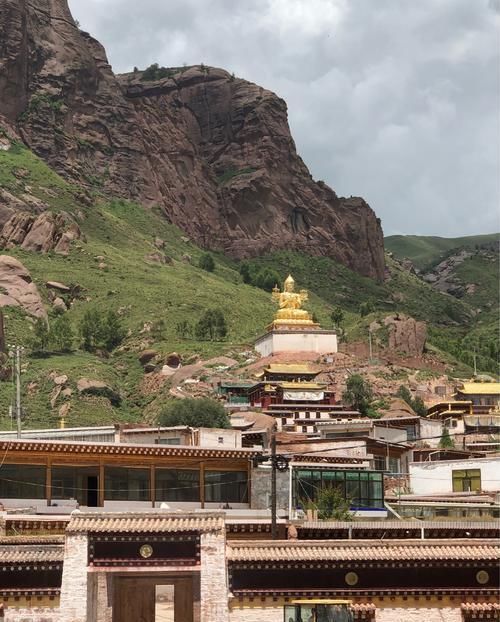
212	151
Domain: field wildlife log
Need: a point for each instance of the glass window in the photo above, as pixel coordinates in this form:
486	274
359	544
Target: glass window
22	481
318	613
363	488
123	484
226	487
466	480
177	485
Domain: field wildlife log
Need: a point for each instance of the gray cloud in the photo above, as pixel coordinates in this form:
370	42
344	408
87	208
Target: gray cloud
393	100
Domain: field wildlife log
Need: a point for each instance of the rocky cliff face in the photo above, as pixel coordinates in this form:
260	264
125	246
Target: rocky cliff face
213	152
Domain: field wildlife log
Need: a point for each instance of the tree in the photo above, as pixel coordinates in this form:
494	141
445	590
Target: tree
211	326
337	317
90	329
183	329
41	336
332	504
266	279
206	262
419	407
61	334
358	393
245	273
446	442
417	404
97	331
197	413
404	394
366	307
112	331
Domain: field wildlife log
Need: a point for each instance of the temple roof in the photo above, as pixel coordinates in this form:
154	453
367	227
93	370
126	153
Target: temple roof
378	550
31	554
479	388
144	522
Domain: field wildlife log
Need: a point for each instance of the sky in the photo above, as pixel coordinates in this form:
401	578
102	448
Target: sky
397	101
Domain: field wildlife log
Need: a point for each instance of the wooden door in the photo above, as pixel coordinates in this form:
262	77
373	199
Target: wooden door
153	599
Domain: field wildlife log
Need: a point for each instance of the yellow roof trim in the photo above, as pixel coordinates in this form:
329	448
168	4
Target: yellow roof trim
300	386
480	388
290	369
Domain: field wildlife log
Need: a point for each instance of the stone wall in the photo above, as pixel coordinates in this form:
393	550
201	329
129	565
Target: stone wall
418	614
74	587
31	614
213	579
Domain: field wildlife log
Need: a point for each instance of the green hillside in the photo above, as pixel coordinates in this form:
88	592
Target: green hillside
110	269
426	251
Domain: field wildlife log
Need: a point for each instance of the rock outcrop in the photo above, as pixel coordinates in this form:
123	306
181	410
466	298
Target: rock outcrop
406	334
17	288
43	232
213	151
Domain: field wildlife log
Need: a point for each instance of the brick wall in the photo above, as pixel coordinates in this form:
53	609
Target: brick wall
418	614
31	614
74	587
256	614
213	578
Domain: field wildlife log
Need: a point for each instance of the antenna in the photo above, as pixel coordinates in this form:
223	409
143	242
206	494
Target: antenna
15	353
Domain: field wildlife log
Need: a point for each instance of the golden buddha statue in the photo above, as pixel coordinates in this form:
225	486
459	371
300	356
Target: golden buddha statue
290	302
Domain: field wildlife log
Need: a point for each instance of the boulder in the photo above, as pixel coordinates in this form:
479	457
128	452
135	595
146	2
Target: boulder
60	380
98	388
64	410
59	286
40	233
17	288
406	334
157	257
159	243
173	360
146	356
59	305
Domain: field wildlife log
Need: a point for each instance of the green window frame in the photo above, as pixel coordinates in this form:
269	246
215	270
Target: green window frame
466	480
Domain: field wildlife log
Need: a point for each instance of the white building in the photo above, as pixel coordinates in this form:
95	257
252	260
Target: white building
446	476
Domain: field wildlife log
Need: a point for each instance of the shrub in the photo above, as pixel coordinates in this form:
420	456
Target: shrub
97	331
41	336
206	262
337	317
358	393
211	326
203	412
61	334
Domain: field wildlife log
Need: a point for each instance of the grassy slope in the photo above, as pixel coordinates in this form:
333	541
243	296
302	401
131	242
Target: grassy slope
425	251
123	234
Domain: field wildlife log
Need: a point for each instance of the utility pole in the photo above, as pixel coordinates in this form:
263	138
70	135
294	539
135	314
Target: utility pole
475	363
274	530
370	344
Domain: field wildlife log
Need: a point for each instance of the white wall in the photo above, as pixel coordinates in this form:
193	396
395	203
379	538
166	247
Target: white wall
300	341
436	477
430	431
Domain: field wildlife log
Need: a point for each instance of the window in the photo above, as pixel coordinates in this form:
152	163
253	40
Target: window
318	613
467	480
22	481
175	440
379	463
123	484
364	488
177	485
226	487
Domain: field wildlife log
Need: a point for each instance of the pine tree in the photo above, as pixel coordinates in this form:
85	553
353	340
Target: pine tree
446	441
90	329
40	339
61	334
112	331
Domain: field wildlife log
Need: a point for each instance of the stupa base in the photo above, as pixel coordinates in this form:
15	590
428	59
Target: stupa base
299	339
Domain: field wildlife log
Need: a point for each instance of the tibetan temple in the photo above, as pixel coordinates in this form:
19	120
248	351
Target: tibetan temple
160	566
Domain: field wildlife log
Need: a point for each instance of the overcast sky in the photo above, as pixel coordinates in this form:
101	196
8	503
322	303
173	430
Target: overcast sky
393	100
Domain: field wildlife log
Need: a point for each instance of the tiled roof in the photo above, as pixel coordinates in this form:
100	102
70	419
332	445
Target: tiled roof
30	554
398	525
479	388
130	449
373	550
144	522
54	539
480	607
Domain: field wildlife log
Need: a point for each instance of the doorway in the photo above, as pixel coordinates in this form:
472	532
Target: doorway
153	599
92	491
